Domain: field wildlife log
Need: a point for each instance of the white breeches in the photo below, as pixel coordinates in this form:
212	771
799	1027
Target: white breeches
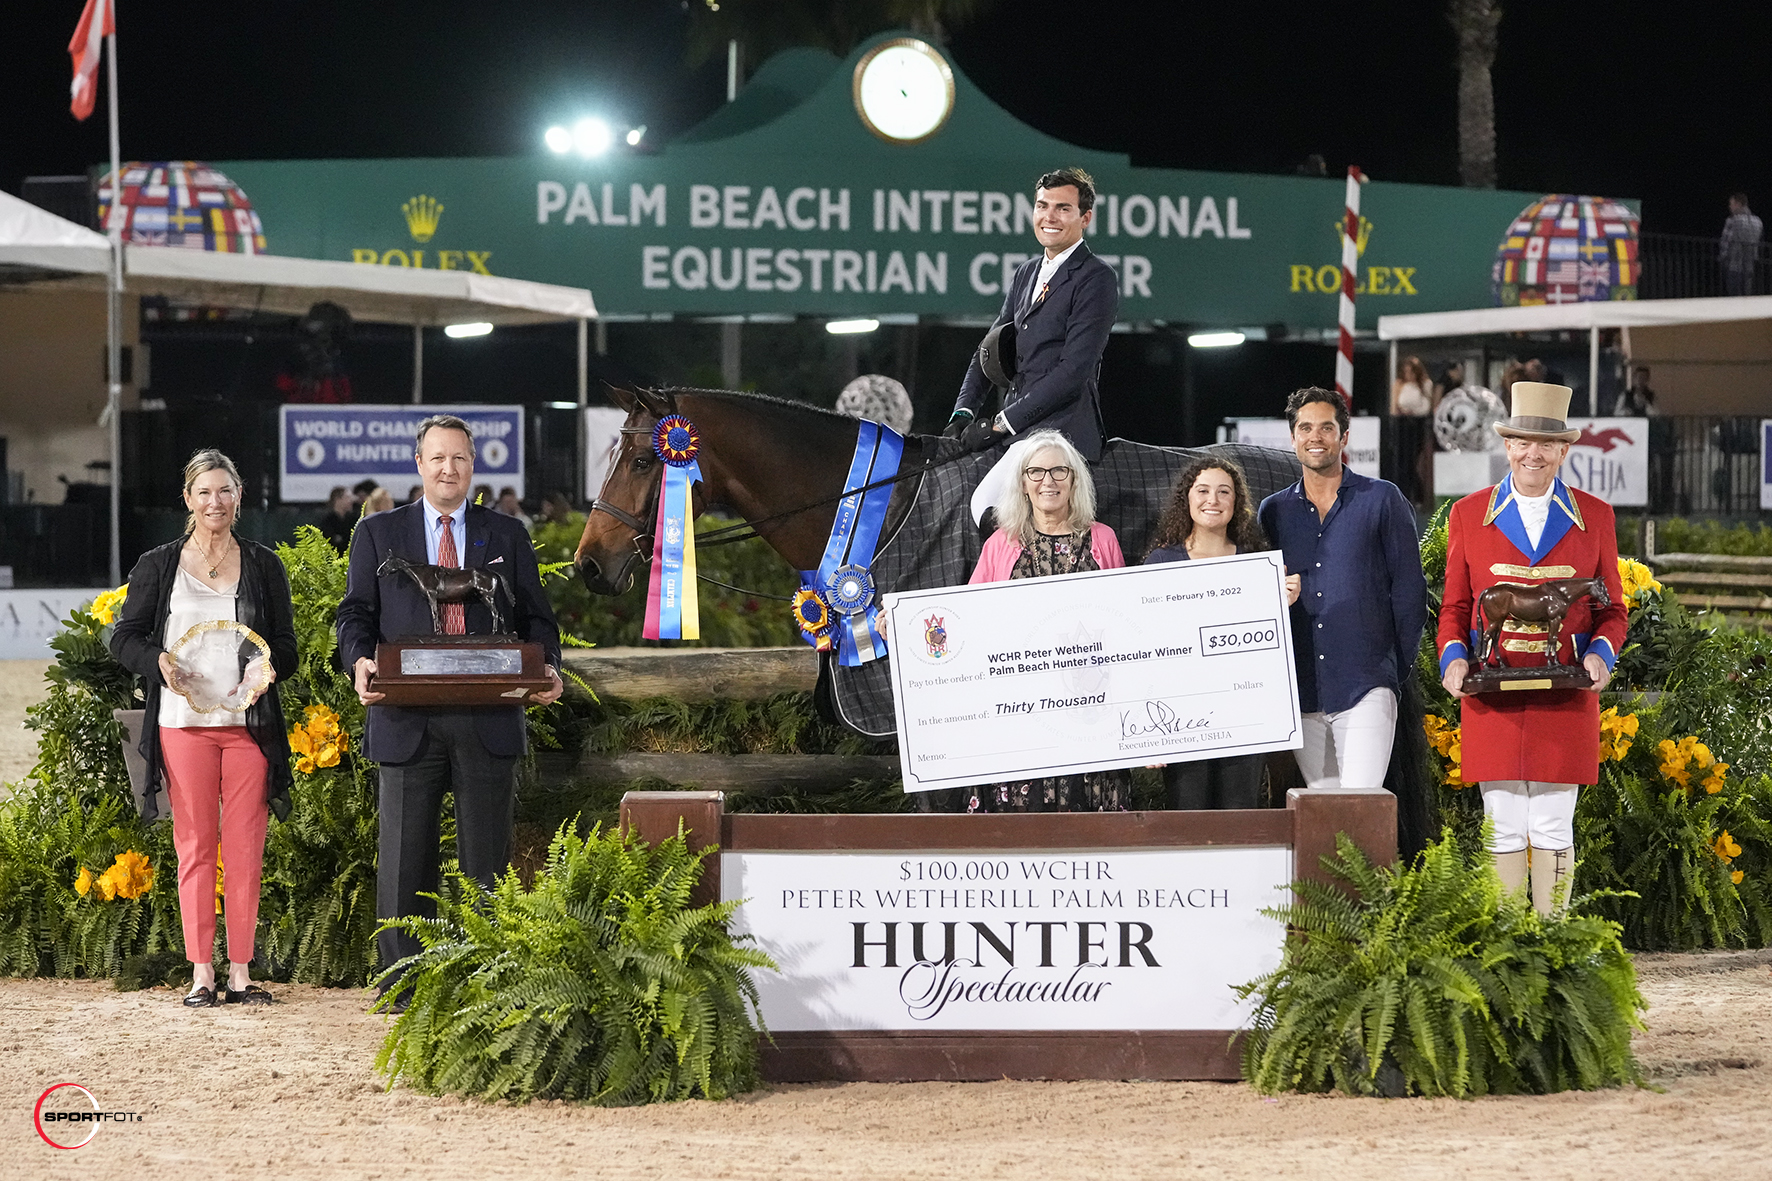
1527	812
1350	749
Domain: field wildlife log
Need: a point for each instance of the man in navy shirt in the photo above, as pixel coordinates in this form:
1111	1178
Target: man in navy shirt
1362	602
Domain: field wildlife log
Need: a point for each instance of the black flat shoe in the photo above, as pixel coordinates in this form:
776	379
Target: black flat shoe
200	998
252	994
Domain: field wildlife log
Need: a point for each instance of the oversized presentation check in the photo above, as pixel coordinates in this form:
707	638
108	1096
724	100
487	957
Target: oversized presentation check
1087	672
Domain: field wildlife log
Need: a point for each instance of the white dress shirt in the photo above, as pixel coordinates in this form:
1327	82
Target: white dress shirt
1048	268
1534	512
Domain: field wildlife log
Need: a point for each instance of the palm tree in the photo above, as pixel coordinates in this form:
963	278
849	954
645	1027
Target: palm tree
1475	23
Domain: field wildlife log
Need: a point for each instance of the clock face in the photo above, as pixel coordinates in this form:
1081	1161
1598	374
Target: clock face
904	91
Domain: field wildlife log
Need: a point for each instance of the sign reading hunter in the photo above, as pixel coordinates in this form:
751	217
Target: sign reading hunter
785	202
1086	672
324	447
1148	939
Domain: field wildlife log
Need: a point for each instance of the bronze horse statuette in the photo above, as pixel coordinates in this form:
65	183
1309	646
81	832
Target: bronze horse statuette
1547	603
452	584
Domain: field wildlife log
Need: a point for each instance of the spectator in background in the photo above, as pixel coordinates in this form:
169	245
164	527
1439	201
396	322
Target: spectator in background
1510	373
359	493
414	492
509	505
555	508
379	501
1639	400
1739	249
1413	399
341	515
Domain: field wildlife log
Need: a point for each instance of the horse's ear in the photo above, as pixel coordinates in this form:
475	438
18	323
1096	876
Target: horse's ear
624	399
658	405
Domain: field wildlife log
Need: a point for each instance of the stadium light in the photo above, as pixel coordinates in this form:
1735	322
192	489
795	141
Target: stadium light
1215	340
457	331
592	137
559	140
849	327
635	135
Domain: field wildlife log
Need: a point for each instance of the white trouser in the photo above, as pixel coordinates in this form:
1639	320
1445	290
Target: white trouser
1527	812
991	488
1352	747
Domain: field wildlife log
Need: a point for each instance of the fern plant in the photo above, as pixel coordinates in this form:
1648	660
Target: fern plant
1427	980
600	982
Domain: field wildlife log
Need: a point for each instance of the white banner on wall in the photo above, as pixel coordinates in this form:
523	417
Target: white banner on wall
1362	439
1148	939
1610	460
28	618
602	427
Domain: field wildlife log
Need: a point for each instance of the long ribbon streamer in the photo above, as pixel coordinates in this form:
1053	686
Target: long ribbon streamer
672	608
843	579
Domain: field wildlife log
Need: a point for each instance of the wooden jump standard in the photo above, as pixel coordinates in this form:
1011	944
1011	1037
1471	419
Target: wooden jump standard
1308	826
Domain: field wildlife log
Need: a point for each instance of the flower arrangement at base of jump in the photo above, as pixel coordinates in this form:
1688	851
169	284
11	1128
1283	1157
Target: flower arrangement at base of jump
1680	760
1638	581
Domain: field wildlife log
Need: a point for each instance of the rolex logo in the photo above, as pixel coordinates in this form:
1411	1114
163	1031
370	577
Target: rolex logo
423	214
1360	238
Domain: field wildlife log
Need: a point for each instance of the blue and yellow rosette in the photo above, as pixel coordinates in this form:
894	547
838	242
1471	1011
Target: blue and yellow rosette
672	609
812	615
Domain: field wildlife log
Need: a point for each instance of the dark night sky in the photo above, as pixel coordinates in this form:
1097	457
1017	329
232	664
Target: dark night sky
1665	102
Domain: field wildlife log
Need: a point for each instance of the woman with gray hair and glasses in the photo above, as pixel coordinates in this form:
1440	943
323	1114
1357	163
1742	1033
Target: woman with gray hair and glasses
1046	525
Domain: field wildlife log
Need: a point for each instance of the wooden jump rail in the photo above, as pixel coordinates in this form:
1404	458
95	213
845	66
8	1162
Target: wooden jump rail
1738	586
1307	826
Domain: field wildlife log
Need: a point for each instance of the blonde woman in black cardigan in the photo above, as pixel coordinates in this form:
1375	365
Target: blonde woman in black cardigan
224	772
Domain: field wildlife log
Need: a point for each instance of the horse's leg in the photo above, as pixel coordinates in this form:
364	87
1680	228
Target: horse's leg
1491	642
1554	622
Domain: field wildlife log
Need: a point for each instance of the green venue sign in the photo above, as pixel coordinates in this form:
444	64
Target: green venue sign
787	203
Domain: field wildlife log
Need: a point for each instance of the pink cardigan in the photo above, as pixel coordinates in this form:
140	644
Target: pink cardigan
1001	551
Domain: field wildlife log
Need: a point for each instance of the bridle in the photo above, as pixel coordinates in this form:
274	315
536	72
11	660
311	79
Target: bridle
642	531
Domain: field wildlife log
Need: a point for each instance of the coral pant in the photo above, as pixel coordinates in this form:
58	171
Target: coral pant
216	779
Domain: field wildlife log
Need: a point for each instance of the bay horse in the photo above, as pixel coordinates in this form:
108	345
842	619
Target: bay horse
760	457
451	584
1547	603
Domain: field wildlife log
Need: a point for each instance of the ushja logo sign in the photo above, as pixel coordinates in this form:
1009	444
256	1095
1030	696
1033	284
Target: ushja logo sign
423	215
1372	280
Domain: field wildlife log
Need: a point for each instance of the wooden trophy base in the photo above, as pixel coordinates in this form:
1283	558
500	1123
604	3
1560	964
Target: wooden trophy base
458	670
1512	680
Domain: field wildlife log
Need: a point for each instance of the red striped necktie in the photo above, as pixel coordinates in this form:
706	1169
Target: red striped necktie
455	621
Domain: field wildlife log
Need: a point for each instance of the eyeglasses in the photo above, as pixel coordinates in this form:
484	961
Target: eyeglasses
1060	475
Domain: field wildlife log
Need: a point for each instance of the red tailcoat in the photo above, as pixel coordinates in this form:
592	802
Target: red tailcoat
1550	735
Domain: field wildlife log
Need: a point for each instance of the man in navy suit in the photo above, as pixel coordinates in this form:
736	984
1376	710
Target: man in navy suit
427	751
1062	304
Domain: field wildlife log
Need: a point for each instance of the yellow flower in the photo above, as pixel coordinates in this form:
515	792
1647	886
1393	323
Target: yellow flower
1726	848
104	608
107	884
300	741
1616	732
135	876
83	883
326	756
1713	783
305	765
218	879
1736	877
1637	580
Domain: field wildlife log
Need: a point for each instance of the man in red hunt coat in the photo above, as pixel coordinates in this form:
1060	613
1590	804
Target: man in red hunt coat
1532	749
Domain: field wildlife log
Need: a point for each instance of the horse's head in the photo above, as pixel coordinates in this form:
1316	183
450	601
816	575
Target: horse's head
1600	597
618	531
393	564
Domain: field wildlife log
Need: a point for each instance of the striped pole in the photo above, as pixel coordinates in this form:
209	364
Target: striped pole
1350	263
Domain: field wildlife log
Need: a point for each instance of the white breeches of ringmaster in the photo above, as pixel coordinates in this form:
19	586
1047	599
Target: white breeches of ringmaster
1351	748
1527	812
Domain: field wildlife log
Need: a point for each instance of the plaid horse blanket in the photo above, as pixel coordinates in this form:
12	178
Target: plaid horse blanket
938	545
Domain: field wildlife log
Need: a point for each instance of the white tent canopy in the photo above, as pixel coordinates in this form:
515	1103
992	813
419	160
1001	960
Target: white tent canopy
33	239
1624	313
51	250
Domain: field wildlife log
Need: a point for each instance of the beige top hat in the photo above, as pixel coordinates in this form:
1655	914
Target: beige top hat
1540	412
